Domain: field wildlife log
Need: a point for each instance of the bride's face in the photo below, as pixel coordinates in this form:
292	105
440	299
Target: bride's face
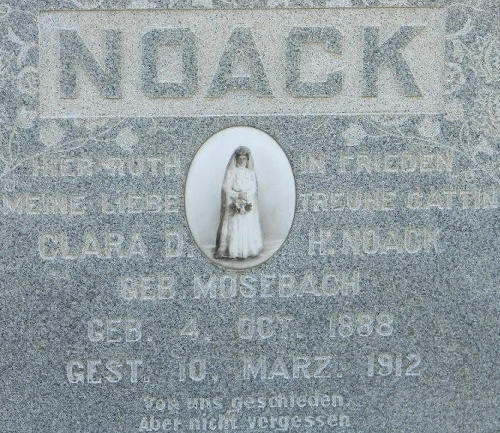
241	160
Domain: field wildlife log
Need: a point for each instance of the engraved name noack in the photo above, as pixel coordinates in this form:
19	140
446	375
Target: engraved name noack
271	58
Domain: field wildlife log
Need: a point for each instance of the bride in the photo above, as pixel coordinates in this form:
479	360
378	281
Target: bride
239	235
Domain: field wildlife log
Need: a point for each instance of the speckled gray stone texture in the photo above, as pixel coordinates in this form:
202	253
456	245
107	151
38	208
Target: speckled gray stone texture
443	302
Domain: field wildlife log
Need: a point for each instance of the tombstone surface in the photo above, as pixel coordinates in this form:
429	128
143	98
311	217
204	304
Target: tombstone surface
249	216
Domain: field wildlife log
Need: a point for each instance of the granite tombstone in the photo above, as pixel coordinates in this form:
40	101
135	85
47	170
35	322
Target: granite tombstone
249	216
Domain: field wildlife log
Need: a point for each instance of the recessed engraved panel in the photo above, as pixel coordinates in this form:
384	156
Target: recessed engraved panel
296	61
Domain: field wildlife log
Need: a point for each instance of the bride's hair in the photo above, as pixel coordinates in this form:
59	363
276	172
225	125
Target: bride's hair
242	150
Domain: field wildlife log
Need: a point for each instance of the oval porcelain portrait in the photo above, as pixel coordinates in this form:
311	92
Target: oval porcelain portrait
240	197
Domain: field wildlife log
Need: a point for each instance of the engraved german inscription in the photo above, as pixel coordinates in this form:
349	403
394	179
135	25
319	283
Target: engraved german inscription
249	216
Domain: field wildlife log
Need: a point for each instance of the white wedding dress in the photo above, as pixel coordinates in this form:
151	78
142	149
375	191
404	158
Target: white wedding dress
239	235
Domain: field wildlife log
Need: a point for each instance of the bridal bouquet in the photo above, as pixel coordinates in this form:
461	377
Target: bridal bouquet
240	206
